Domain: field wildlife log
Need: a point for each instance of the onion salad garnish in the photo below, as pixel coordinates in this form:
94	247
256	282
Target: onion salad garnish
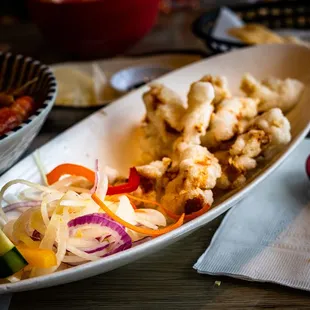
76	217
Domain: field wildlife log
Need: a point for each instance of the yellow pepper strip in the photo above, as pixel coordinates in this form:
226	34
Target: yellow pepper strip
40	258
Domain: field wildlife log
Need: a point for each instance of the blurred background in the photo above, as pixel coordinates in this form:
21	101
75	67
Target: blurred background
60	30
17	9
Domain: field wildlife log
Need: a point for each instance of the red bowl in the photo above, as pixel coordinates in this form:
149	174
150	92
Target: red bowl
94	27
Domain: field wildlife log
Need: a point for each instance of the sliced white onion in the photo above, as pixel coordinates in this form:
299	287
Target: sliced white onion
30	194
74	203
8	229
15	278
24	204
69	201
82	254
71	195
82	243
68	181
49	238
61	239
44	212
152	216
73	259
75	189
134	235
20	181
125	210
102	186
21	228
147	223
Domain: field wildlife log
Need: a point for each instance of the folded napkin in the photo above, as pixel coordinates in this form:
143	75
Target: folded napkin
266	237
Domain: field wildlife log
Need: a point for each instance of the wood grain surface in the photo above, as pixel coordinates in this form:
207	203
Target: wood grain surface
165	280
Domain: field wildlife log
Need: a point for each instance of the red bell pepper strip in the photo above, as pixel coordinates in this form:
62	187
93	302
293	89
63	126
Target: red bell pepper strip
70	169
130	186
77	170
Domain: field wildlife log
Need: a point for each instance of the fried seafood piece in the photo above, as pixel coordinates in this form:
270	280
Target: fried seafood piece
277	132
220	85
168	117
164	110
155	169
185	181
187	201
273	92
151	145
185	184
151	179
162	124
231	117
266	134
198	165
191	179
230	177
197	116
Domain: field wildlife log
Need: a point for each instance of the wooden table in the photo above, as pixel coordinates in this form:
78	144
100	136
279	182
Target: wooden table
165	280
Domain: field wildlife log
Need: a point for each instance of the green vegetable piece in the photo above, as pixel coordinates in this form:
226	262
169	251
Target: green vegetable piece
11	261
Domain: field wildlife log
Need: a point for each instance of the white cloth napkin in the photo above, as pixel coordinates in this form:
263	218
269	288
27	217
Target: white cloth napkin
226	19
266	237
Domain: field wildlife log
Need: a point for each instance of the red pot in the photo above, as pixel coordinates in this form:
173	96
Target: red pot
94	27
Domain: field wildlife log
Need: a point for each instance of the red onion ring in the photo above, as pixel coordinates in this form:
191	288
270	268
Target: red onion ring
102	247
116	243
122	247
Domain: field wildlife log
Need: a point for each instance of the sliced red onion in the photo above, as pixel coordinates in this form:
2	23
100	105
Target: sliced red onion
308	166
109	218
24	204
140	241
116	238
94	188
101	237
103	246
120	248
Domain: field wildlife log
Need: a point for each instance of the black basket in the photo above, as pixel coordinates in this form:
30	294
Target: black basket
275	15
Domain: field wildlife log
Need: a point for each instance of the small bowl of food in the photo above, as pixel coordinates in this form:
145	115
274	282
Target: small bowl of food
27	93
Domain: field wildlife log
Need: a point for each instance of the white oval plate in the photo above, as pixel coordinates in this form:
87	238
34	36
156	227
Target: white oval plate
109	136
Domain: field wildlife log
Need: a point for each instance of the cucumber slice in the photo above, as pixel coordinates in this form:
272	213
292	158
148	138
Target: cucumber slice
5	243
11	261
